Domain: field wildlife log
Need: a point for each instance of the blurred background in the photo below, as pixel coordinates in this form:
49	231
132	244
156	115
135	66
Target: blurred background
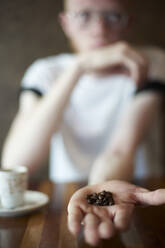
29	29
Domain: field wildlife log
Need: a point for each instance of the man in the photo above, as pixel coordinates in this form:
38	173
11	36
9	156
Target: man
84	105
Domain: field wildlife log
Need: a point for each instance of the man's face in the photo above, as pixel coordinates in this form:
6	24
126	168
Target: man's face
91	24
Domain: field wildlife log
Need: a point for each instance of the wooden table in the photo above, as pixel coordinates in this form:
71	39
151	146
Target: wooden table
47	228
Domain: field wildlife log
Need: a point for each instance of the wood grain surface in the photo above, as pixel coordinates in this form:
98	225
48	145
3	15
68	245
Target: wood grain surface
47	228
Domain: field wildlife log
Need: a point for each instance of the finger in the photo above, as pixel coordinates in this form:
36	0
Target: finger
101	212
140	58
133	68
122	216
106	229
75	217
129	197
91	223
137	67
156	197
141	189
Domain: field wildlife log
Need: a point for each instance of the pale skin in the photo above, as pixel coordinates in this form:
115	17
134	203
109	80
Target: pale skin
117	159
39	118
103	222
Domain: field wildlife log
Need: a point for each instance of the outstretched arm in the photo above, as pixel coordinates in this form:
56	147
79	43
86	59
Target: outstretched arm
116	162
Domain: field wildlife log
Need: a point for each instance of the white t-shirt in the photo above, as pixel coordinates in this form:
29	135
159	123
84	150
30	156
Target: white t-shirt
89	120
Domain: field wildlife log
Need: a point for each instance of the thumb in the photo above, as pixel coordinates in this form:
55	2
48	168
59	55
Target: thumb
155	198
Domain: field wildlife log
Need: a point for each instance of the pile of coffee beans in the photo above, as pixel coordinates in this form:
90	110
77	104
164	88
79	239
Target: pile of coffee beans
104	198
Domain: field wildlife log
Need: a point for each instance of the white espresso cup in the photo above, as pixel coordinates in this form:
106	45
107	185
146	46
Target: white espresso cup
13	184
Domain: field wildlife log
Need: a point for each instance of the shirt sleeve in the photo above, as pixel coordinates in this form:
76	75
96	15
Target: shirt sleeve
154	86
156	74
40	76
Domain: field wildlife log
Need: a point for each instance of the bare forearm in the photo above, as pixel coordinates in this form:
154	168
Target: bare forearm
115	166
136	122
117	160
29	137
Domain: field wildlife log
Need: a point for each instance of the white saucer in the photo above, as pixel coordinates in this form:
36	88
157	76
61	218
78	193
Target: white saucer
33	200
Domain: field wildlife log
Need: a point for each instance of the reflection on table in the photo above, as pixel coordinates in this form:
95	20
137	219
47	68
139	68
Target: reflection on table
47	228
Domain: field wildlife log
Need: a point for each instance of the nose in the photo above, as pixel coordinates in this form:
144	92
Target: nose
99	26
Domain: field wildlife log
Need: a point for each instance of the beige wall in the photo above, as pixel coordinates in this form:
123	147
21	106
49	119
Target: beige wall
29	29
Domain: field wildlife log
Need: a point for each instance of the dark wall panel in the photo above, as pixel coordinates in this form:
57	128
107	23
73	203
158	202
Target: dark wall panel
29	29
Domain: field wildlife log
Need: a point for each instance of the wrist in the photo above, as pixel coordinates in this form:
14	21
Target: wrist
111	168
83	62
77	66
98	174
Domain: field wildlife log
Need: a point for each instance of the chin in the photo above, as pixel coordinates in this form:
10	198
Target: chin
90	47
99	44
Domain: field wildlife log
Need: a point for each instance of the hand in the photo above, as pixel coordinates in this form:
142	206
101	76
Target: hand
119	57
103	222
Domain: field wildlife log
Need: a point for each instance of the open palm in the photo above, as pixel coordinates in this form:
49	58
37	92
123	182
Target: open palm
102	222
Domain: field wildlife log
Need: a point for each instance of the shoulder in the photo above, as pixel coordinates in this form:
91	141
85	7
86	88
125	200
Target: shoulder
51	61
46	69
153	52
57	59
156	57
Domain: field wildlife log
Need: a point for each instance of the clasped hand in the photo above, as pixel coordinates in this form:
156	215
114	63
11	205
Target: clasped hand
119	57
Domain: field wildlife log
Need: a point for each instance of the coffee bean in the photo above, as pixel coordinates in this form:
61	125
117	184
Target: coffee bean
101	197
104	198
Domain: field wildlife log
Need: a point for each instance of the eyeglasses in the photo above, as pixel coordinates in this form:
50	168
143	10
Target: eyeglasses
113	19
